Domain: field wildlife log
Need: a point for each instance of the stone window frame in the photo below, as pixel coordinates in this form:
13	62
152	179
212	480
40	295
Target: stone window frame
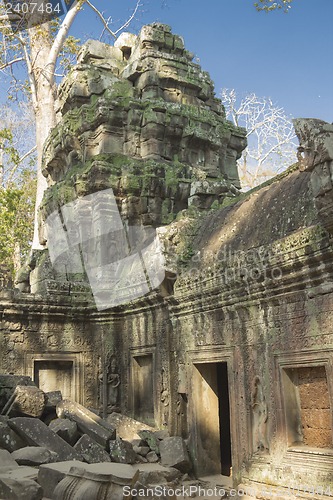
301	359
136	352
222	354
78	368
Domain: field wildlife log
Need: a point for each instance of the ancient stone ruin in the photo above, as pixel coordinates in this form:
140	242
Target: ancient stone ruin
218	338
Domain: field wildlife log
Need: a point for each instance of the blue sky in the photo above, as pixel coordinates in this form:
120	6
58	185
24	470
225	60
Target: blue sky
288	57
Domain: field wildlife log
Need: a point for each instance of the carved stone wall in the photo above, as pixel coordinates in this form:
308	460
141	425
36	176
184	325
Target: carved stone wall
244	318
35	331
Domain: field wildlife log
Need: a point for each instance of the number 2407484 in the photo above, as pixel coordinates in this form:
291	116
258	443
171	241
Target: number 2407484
33	7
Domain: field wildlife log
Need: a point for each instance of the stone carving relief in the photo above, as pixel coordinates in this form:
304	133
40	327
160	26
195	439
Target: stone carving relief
165	396
113	383
181	422
259	417
111	390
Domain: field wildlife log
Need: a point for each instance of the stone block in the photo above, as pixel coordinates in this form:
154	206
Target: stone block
127	428
141	450
153	131
34	456
317	438
162	434
152	148
50	475
66	429
9	439
10	381
13	489
152	457
152	441
88	423
122	452
91	451
52	399
168	41
7	461
138	442
8	384
21	472
25	401
36	433
317	418
96	481
157	474
94	49
125	41
121	471
174	453
178	43
314	394
146	493
149	34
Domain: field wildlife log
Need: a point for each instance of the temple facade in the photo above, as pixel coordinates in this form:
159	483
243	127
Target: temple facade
227	340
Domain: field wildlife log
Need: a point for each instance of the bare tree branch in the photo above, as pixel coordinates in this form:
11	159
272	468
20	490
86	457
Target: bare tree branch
10	63
32	150
31	76
130	19
102	18
12	173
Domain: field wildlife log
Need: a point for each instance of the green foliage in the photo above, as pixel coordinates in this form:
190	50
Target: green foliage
17	196
270	5
6	144
69	52
17	140
16	221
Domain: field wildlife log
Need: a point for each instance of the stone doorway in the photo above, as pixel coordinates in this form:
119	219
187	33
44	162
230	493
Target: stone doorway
61	371
143	388
212	418
55	375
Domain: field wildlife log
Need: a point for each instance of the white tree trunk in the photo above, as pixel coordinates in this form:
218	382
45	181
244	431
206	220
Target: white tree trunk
41	44
43	57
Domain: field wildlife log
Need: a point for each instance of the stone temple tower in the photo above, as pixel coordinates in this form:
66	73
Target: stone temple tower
139	118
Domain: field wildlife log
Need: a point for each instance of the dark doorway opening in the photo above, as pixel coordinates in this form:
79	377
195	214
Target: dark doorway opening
224	417
212	427
143	388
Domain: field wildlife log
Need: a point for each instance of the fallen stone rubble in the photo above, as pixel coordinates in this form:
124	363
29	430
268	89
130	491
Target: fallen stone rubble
48	444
